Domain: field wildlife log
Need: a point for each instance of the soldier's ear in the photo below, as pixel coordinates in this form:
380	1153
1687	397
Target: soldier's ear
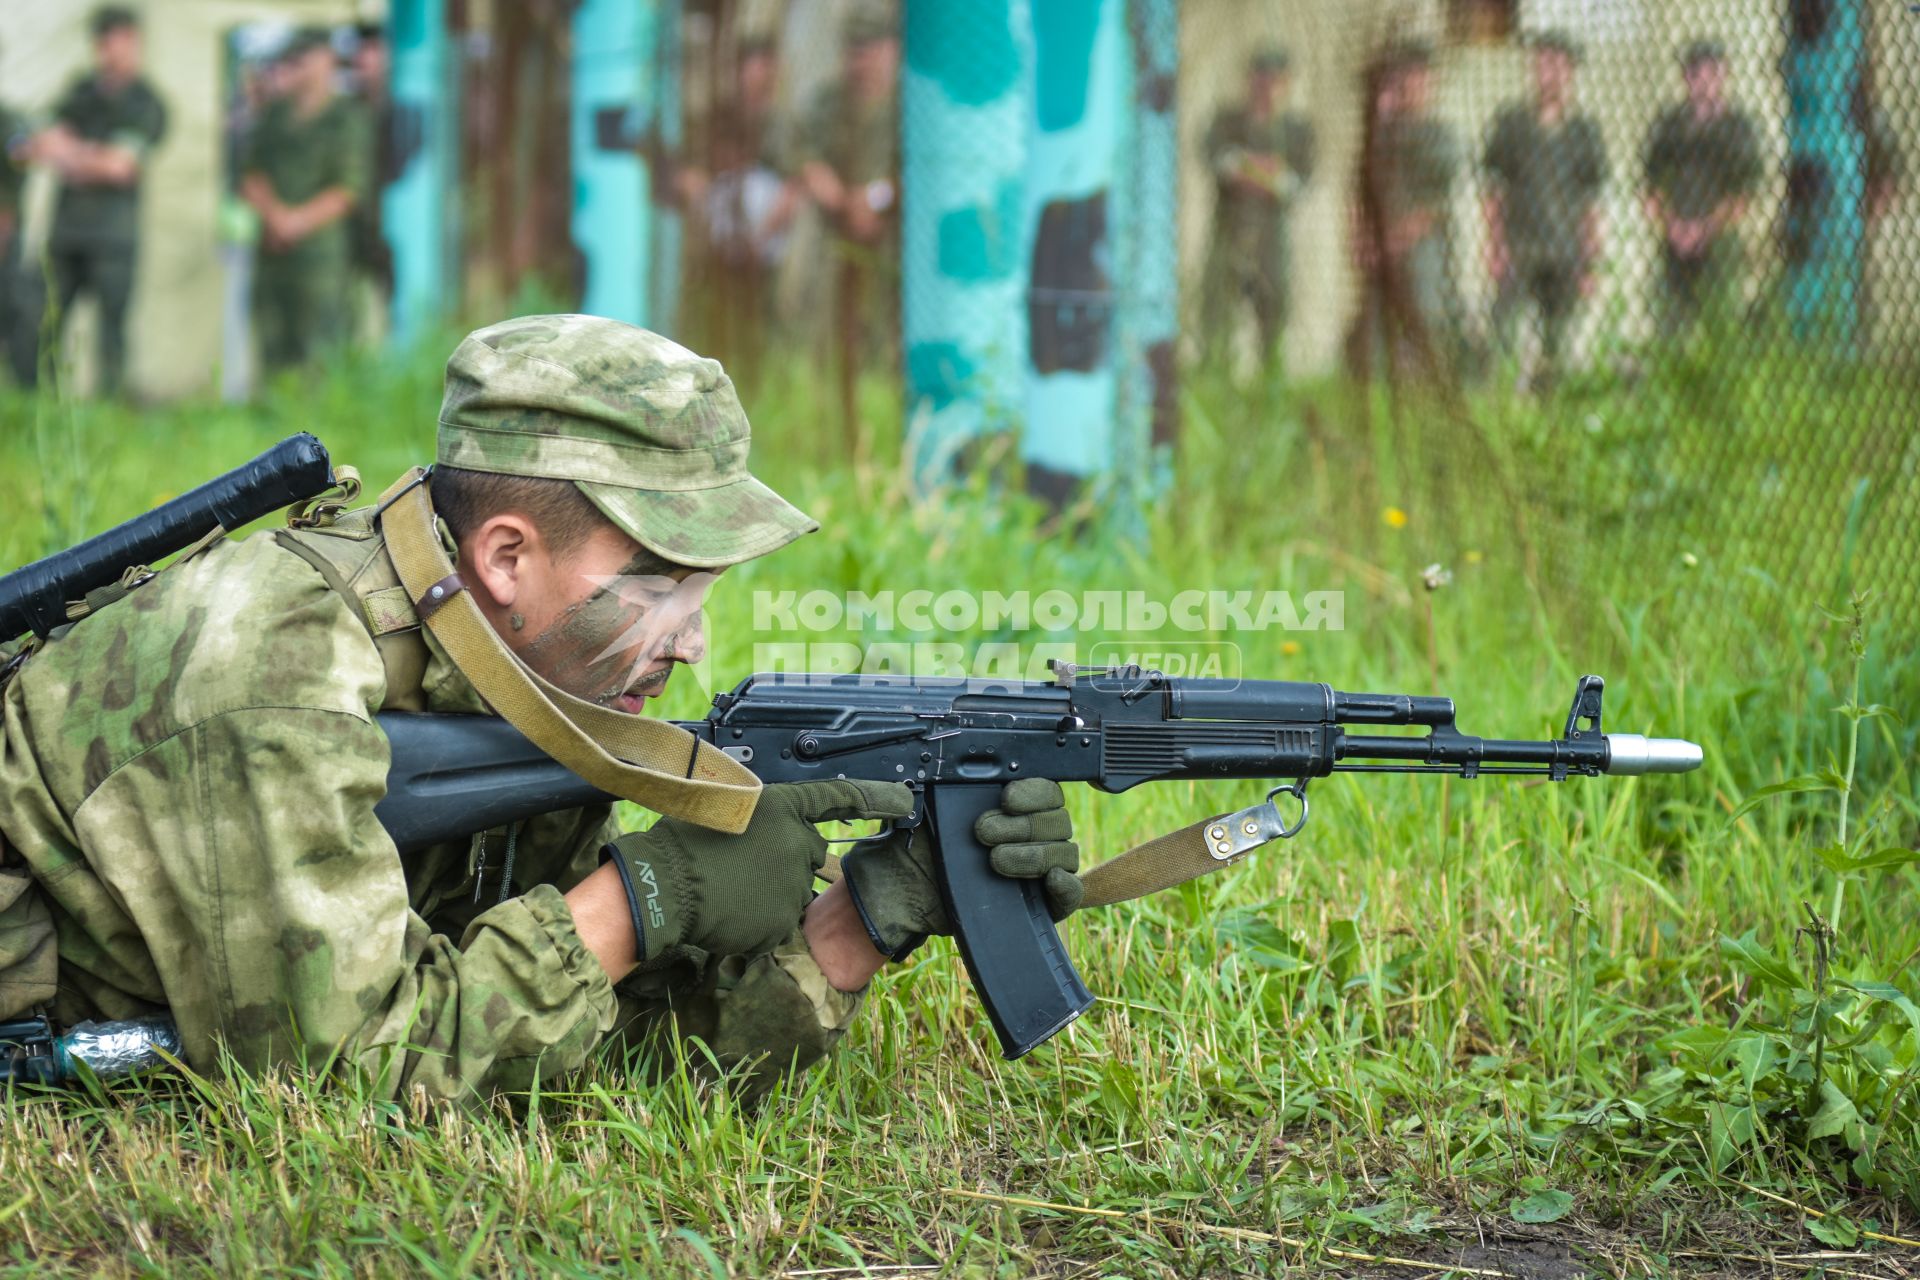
499	558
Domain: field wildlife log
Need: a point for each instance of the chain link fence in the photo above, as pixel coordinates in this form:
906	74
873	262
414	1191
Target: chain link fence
1647	275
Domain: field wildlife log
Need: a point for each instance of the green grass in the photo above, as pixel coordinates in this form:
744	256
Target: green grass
1446	1006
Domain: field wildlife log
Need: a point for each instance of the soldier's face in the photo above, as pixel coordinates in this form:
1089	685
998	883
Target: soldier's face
612	620
370	63
117	52
1552	74
1707	81
313	70
758	71
1416	88
875	64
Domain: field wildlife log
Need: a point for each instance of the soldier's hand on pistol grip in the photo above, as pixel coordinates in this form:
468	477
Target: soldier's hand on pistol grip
1029	837
696	890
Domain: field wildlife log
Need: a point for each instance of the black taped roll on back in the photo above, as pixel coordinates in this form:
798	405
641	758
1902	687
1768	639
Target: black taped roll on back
35	598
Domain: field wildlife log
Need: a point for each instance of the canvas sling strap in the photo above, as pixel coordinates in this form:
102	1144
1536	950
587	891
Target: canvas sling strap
1193	851
649	762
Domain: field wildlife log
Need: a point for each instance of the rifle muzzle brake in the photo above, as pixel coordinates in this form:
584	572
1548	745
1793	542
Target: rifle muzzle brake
1631	753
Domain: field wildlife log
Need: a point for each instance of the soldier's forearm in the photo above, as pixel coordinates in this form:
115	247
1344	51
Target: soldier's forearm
258	192
604	921
320	212
99	164
824	185
839	941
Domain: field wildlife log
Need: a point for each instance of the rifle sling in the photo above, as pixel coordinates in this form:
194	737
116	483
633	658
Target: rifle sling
649	762
1160	863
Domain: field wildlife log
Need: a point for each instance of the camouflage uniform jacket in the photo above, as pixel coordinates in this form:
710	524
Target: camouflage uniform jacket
301	159
1695	165
859	141
132	117
189	779
1549	179
1414	162
1247	222
12	176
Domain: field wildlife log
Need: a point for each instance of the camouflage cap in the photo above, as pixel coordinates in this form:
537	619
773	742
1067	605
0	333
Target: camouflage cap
1704	50
305	40
1274	60
1558	41
111	17
1412	51
868	22
653	434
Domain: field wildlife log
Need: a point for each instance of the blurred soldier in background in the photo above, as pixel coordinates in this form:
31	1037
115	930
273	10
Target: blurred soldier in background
1884	165
304	170
372	62
102	131
1703	162
849	164
743	204
1261	155
14	145
1409	306
1545	166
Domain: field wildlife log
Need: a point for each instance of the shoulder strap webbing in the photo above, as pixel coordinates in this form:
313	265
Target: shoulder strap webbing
649	762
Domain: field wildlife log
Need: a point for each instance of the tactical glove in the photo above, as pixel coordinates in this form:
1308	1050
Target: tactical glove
724	895
1028	837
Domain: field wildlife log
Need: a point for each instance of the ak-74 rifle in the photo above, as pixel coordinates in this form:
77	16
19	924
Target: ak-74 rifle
956	742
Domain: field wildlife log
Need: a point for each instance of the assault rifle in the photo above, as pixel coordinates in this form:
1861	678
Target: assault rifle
955	742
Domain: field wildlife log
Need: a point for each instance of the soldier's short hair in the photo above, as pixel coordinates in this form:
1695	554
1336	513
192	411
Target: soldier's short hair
868	23
306	39
468	499
109	18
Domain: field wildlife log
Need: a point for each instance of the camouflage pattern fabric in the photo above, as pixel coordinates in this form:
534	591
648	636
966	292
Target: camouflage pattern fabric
105	271
653	434
13	175
1251	254
1885	164
301	292
1696	165
1549	178
1415	161
188	779
372	256
130	116
859	141
760	1016
12	178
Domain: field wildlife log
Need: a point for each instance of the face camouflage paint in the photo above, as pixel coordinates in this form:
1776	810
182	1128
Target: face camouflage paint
617	646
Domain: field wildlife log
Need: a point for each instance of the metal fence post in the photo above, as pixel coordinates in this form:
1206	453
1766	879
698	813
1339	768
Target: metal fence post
966	97
1080	49
1826	184
614	122
420	207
